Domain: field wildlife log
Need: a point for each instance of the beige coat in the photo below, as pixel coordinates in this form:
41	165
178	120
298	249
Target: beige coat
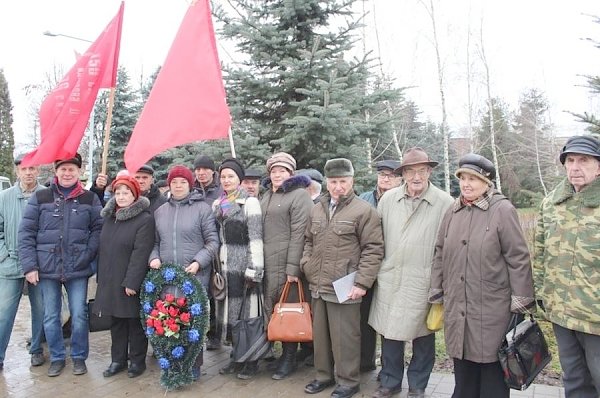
400	306
481	261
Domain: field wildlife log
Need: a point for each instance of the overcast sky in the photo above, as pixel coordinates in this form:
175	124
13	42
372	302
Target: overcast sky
528	43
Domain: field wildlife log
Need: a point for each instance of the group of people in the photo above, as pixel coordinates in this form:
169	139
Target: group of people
407	244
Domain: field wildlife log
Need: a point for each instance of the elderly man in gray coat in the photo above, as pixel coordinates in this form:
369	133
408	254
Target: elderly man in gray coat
411	215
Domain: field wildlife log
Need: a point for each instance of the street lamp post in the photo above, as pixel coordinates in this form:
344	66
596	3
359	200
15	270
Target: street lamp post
90	129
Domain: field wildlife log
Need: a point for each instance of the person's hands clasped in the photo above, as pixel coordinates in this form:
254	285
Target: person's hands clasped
155	264
192	268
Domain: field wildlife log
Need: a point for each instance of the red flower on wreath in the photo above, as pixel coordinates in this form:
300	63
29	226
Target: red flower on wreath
168	316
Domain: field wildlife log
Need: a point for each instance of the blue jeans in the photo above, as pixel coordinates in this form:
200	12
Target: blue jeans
77	295
10	296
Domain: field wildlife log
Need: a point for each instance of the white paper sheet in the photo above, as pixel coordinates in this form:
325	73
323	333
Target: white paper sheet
343	286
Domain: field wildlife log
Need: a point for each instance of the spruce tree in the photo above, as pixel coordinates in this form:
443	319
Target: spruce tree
296	87
7	137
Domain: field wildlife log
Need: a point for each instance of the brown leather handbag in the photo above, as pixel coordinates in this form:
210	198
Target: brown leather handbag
291	322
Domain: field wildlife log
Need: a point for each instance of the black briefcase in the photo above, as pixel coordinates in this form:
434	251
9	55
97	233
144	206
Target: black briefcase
97	323
523	353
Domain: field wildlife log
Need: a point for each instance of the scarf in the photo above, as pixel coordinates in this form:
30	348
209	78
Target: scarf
226	202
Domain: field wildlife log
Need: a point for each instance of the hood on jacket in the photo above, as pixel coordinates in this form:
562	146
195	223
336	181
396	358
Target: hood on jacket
126	213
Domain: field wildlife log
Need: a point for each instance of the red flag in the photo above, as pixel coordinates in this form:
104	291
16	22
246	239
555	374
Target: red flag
187	101
65	112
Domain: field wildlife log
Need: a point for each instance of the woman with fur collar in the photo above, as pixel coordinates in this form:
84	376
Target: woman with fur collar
126	240
285	206
241	254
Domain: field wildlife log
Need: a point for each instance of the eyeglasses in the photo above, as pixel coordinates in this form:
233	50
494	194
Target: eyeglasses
388	176
411	173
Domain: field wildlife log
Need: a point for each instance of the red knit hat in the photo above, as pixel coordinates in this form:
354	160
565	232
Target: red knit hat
181	171
129	182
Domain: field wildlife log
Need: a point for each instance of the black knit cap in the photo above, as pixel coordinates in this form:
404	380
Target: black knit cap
204	162
235	165
581	144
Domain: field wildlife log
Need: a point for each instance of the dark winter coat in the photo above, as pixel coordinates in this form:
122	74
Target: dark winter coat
212	191
481	261
285	214
58	236
351	240
241	255
125	243
186	231
156	198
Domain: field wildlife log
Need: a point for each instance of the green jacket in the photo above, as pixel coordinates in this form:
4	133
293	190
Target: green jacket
12	203
567	257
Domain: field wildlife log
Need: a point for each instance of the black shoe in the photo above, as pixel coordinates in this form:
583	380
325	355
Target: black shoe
136	370
317	386
113	369
79	367
287	362
56	368
249	371
213	344
37	359
232	368
344	391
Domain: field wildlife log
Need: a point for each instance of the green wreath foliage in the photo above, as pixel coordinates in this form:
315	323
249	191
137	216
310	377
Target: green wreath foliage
175	315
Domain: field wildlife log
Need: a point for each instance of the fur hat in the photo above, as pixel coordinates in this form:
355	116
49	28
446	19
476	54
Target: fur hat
477	166
339	167
282	159
581	144
414	156
181	171
76	160
235	165
204	162
129	182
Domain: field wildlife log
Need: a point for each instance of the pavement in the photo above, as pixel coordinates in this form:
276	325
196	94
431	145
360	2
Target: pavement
19	379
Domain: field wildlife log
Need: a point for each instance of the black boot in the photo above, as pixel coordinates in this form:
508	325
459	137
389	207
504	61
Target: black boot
287	363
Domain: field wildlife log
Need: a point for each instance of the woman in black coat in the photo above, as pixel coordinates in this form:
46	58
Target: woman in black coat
126	241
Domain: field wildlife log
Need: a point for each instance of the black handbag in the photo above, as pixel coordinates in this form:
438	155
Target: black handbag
523	353
248	335
97	323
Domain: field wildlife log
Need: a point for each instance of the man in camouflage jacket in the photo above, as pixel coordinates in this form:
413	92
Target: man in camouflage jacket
567	266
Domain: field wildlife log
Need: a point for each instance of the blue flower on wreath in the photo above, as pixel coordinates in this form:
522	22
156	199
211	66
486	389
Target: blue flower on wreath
147	307
164	363
149	287
149	331
196	309
187	288
177	352
193	335
169	274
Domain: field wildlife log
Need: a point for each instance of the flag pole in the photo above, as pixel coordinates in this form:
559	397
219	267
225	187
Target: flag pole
111	101
231	143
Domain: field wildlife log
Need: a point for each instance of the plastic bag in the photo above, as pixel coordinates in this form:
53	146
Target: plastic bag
435	317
